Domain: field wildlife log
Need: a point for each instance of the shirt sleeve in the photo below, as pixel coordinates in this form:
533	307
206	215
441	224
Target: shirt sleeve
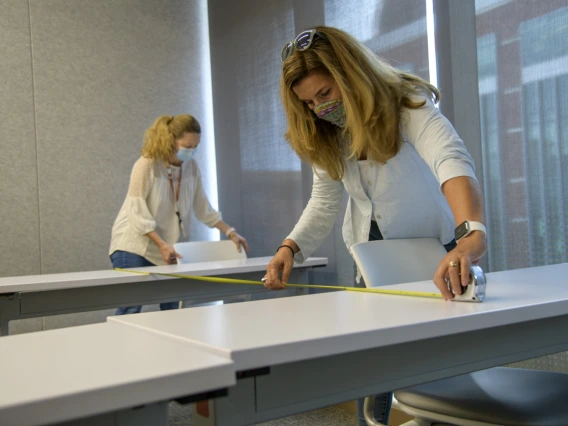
137	211
436	141
201	206
319	215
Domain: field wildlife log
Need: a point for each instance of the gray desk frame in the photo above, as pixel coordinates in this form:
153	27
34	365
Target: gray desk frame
330	380
33	304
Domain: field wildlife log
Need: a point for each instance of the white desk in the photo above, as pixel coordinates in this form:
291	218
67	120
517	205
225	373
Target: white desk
101	370
52	294
328	348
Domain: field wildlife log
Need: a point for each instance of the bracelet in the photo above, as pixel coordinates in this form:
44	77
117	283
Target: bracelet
285	245
228	232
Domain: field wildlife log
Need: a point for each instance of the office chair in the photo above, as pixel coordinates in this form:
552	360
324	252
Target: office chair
497	396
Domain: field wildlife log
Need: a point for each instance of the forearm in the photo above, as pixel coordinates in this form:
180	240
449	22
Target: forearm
156	238
314	225
222	227
465	199
291	243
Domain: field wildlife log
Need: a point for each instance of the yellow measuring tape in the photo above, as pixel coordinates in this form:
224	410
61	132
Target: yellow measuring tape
329	287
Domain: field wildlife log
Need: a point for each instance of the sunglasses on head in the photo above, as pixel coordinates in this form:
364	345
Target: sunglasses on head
303	41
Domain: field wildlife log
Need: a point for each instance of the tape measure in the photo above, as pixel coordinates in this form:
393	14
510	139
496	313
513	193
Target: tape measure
473	288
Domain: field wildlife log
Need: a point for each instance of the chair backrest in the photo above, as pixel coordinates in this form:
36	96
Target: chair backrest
389	262
208	251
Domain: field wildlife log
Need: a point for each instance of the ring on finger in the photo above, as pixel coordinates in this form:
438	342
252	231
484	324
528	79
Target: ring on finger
453	264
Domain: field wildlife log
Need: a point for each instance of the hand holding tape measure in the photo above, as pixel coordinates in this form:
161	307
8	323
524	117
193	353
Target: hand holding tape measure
475	290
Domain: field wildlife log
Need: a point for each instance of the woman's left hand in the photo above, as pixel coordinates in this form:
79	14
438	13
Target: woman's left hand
239	241
454	267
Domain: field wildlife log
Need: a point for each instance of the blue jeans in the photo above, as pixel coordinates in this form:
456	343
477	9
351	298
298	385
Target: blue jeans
125	259
383	402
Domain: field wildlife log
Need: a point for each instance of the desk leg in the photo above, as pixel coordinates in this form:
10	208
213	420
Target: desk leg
236	409
303	278
9	310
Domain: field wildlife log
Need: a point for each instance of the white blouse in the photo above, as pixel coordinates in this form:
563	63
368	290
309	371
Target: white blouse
368	176
150	206
403	195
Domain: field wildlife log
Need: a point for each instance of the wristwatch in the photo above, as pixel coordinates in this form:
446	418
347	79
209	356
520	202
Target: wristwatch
467	227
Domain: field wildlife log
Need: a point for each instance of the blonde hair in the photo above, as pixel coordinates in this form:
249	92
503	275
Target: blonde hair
160	137
373	93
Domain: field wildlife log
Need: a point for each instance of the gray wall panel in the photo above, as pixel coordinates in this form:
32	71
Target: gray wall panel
263	201
19	244
104	71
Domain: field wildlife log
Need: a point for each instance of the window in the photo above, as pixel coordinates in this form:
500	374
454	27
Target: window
523	85
393	29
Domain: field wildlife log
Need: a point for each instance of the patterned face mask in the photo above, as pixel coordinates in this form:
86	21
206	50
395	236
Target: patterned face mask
332	111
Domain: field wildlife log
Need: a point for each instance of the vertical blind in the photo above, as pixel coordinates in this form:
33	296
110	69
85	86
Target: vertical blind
522	50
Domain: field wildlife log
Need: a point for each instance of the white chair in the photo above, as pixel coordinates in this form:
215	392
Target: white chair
208	251
531	397
390	262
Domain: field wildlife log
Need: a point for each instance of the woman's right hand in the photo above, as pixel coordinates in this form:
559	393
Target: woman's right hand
169	254
282	262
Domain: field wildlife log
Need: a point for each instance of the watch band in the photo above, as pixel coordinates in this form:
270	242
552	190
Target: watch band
476	226
467	227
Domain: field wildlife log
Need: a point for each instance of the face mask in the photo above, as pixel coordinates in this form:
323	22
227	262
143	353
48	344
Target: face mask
186	154
332	111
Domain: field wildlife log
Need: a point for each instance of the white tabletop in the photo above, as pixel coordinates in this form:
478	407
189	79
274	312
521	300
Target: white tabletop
110	277
75	372
271	332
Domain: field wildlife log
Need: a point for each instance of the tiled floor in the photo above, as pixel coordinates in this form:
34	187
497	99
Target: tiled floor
331	416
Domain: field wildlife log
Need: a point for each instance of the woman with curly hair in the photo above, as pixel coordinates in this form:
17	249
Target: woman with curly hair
165	187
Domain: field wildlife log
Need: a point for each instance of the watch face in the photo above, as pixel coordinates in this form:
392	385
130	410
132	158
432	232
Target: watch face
461	231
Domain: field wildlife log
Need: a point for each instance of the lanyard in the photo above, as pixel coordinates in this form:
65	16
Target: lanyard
175	193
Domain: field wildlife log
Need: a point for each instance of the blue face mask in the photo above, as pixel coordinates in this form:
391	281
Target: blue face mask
186	154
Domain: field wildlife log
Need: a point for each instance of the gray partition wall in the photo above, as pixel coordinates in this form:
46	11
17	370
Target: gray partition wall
19	215
263	186
81	81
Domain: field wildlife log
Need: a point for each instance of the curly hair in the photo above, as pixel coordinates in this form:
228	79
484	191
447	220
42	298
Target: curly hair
160	137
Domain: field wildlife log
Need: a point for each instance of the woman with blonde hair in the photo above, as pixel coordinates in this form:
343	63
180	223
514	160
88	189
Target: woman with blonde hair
165	187
374	131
